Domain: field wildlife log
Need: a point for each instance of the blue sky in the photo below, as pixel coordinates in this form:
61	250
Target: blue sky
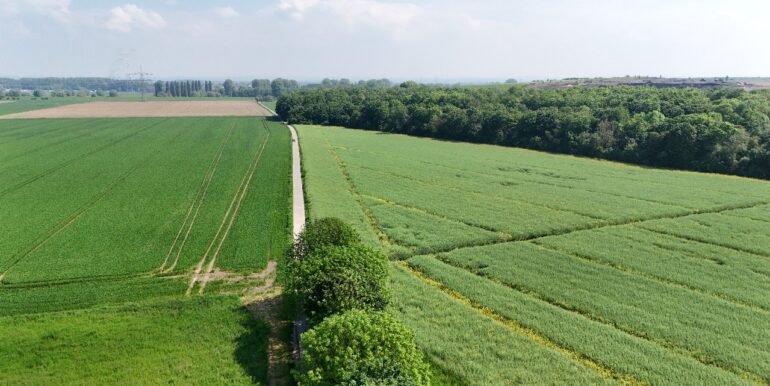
397	39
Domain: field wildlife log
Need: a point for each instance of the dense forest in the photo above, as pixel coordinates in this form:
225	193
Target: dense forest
723	130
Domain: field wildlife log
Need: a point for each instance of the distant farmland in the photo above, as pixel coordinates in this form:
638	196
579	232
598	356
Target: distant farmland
113	221
521	266
114	109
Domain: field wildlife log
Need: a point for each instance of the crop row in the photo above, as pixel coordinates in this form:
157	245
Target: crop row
476	349
629	355
708	328
727	273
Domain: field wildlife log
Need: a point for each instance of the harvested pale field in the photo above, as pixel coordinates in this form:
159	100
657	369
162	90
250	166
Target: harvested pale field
1	102
147	109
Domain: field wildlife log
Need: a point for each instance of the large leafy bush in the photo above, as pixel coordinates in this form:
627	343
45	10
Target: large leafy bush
324	232
335	279
361	348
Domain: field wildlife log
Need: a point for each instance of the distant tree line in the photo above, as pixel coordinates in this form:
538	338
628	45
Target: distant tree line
337	83
17	93
723	130
263	89
257	88
104	84
186	88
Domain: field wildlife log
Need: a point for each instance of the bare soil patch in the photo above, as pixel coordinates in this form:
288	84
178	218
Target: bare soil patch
279	355
147	109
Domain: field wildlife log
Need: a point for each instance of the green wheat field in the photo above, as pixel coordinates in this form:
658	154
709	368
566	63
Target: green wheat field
516	266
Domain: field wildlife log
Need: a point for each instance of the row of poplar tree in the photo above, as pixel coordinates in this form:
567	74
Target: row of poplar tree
188	88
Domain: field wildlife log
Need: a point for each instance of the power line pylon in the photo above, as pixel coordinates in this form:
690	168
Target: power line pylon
143	77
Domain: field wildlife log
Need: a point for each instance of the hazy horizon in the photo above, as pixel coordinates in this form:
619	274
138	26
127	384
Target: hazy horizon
424	40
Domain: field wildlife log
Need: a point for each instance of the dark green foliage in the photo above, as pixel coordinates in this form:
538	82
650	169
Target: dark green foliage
362	348
718	130
328	231
335	279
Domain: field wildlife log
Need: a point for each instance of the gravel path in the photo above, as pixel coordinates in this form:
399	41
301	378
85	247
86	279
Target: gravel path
298	204
298	194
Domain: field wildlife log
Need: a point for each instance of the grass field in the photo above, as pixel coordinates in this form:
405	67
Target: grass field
109	222
145	343
526	267
269	104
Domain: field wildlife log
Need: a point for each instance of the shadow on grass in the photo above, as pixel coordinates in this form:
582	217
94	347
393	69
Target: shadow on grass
251	350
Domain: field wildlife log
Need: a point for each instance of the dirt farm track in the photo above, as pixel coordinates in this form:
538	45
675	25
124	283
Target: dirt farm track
147	109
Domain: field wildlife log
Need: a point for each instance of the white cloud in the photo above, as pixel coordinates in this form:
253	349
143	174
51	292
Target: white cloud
126	17
226	12
57	9
296	9
372	13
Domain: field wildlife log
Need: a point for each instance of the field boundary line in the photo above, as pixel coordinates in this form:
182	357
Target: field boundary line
620	165
705	241
74	280
248	172
386	201
199	198
745	216
699	357
535	336
455	169
634	222
370	217
494	197
660	280
416	250
76	159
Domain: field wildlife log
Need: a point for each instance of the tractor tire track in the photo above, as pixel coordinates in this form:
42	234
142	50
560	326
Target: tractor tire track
199	199
249	173
243	195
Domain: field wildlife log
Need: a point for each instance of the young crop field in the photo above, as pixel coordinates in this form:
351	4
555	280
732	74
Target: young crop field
520	266
9	106
106	222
